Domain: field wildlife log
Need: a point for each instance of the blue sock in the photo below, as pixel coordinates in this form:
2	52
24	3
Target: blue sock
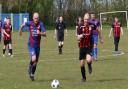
95	52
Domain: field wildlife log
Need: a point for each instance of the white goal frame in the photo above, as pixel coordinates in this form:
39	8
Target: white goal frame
112	12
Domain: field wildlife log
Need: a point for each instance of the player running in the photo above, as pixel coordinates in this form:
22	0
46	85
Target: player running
117	30
7	38
96	32
59	31
85	47
36	30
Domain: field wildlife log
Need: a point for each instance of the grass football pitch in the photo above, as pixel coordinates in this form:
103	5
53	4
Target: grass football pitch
109	72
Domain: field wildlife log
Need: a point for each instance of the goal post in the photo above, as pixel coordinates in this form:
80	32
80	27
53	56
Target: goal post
112	12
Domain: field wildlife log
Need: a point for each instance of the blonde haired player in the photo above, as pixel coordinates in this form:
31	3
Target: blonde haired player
85	47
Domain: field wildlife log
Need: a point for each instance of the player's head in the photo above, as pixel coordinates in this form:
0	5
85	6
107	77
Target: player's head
116	19
8	20
93	16
79	19
35	17
61	19
86	16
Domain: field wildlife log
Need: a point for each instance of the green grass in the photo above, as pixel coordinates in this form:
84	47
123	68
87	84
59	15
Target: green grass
110	72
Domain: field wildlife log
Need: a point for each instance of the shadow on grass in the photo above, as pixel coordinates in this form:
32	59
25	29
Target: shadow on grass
113	80
60	79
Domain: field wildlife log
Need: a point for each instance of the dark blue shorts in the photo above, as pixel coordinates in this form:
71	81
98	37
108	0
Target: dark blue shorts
34	51
95	39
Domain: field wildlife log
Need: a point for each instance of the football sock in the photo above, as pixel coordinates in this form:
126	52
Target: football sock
4	51
95	50
90	67
116	47
30	67
33	69
10	51
61	46
60	49
83	72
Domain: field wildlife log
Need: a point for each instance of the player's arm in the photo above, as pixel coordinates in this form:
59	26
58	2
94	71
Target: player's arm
42	32
76	30
110	33
55	31
4	32
66	31
100	32
21	28
121	30
79	35
100	35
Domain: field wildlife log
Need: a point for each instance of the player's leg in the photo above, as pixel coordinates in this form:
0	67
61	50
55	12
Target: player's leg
4	47
82	63
10	48
59	47
95	49
116	43
118	39
89	62
32	62
37	50
59	42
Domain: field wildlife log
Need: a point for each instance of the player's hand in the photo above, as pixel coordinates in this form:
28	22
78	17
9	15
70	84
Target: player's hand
101	41
8	35
38	32
109	36
20	33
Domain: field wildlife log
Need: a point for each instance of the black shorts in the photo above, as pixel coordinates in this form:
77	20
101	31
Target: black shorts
60	37
116	40
6	42
83	52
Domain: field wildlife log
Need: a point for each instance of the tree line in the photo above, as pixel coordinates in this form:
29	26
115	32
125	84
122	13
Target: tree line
50	9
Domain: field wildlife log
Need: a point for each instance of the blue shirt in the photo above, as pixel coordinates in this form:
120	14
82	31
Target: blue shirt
34	38
95	24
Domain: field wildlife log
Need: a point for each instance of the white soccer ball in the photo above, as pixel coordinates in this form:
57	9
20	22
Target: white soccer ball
55	83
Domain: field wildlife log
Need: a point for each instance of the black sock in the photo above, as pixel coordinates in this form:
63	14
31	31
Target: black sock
30	67
10	51
4	51
83	72
116	47
60	49
33	69
61	46
89	65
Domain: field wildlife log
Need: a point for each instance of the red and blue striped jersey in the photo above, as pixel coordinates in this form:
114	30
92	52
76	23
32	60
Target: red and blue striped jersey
8	29
95	24
34	38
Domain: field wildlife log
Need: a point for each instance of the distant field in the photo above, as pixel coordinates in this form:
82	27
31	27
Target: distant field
110	72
